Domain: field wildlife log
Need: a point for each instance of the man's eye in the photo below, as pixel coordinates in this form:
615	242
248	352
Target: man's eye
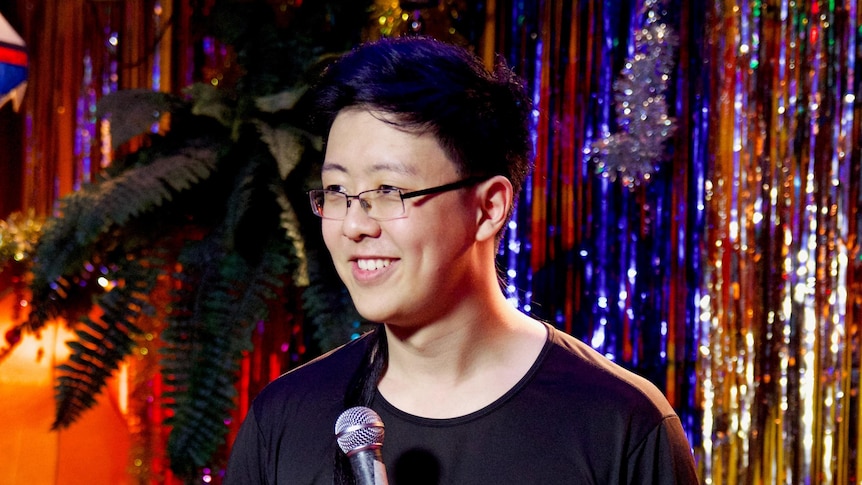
336	188
388	189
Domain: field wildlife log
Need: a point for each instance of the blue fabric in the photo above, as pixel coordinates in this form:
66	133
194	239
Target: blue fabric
10	77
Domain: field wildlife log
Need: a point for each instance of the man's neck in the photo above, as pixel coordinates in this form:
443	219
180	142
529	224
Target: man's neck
458	365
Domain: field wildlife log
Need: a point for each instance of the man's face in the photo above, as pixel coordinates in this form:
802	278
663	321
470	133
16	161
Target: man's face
409	270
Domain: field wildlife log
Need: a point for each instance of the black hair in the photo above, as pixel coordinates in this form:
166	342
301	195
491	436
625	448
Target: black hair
480	118
422	85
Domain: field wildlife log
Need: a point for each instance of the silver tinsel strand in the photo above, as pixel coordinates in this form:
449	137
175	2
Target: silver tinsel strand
635	152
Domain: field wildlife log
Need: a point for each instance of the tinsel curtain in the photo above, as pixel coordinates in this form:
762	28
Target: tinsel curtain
727	270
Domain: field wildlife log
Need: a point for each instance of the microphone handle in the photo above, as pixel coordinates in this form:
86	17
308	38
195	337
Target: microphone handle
368	467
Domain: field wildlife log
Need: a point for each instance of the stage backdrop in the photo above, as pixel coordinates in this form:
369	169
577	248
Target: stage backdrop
693	213
726	266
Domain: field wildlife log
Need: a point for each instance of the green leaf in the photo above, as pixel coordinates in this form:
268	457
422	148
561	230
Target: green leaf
286	143
134	111
212	102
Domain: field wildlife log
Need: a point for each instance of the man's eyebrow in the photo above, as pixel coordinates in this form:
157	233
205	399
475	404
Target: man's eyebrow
393	167
330	166
377	167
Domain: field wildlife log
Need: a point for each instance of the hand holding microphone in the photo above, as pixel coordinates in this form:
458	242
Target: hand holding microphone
359	431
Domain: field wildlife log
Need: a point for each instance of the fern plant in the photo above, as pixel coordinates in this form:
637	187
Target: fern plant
187	201
207	209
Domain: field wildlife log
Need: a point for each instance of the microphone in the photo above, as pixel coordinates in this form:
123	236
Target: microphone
359	431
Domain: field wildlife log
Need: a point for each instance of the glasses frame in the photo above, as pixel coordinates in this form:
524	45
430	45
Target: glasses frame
460	184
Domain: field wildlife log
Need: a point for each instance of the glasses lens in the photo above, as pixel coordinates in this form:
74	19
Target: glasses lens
328	204
379	204
382	204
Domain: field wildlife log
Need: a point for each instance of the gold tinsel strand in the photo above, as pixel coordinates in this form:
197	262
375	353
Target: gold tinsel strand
777	334
19	234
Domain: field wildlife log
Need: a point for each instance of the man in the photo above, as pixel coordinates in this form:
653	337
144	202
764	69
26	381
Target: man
425	154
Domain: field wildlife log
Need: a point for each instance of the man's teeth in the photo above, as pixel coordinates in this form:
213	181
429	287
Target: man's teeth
372	264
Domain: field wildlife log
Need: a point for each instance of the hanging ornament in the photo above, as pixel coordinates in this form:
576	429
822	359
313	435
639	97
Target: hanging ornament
13	65
635	152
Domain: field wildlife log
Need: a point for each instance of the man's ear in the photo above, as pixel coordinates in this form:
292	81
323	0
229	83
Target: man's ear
495	197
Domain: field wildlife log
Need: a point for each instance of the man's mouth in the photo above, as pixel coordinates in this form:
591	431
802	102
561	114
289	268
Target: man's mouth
372	264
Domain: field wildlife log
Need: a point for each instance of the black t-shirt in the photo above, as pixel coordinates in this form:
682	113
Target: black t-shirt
574	418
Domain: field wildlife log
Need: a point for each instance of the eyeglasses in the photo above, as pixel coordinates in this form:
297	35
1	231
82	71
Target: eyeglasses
378	204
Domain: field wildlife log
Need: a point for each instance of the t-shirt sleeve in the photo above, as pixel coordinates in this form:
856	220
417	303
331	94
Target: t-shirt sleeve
246	463
663	457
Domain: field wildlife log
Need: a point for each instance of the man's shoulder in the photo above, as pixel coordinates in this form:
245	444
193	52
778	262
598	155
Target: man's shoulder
321	378
574	359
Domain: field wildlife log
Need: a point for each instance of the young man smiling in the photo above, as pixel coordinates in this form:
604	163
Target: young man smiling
425	154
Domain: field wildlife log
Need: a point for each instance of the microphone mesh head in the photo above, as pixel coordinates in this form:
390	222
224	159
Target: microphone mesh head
358	428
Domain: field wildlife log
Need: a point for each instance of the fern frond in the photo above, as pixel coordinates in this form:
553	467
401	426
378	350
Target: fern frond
239	201
88	214
206	338
142	189
104	342
289	222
